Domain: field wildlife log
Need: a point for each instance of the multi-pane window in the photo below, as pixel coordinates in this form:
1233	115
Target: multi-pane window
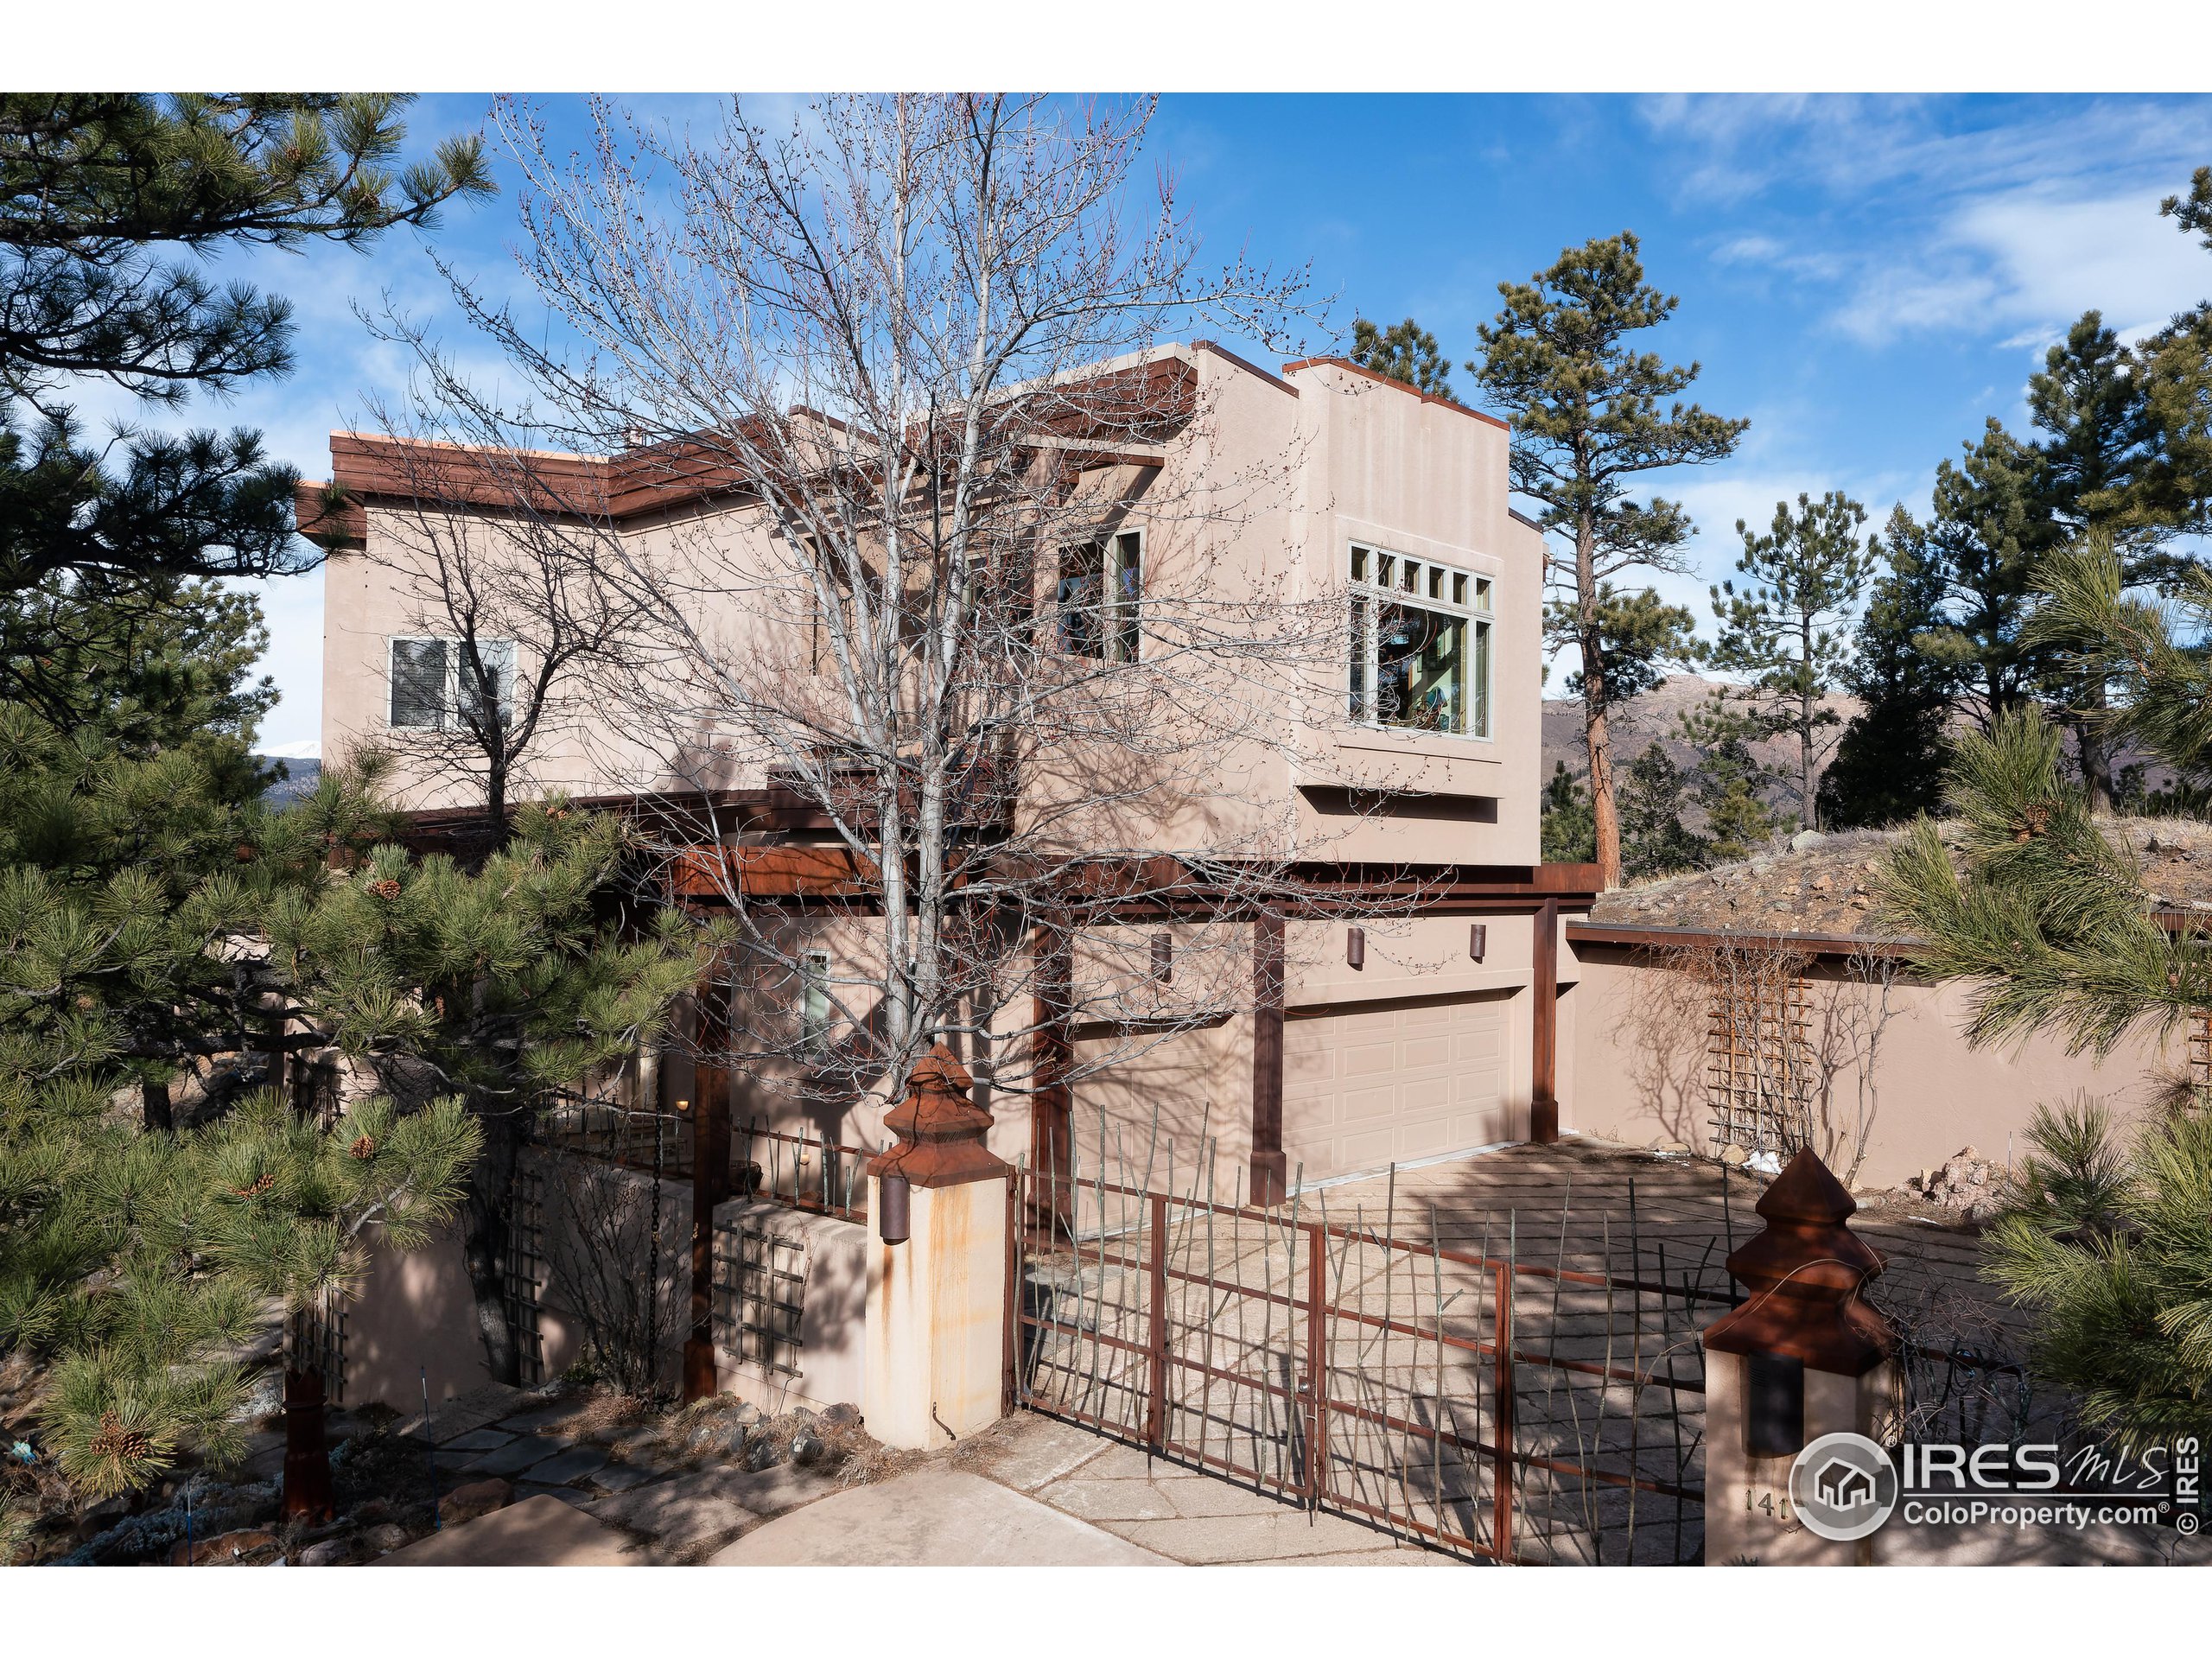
433	683
1101	582
1420	645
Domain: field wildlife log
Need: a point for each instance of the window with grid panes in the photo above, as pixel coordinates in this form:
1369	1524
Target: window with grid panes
1419	644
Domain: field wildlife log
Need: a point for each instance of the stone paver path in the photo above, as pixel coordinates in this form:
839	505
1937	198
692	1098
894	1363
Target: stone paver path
1197	1519
936	1517
537	1532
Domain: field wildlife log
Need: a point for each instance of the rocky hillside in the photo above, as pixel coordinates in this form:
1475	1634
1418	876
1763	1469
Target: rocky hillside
1654	717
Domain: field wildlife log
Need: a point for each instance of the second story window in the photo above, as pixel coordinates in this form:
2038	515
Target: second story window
1420	645
433	683
1100	584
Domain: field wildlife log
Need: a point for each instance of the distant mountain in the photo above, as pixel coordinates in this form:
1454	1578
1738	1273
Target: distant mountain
301	776
1656	715
1654	718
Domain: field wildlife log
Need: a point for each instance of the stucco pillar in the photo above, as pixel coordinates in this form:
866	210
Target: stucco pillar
937	1302
1804	1357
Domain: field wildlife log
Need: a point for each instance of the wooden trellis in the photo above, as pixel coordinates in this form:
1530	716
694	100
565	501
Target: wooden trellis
2200	1052
525	1271
1759	1065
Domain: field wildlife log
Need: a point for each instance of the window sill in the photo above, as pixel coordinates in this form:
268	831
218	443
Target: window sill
1444	746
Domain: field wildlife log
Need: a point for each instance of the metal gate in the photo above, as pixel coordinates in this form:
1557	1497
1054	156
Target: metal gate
1475	1401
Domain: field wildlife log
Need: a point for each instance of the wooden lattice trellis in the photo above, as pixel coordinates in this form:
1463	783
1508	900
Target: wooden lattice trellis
760	1289
1760	1067
525	1271
2200	1052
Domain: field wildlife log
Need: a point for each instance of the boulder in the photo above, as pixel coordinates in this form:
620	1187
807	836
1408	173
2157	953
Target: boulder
331	1552
477	1497
222	1550
388	1537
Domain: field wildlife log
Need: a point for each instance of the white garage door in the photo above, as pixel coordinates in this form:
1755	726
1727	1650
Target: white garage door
1362	1090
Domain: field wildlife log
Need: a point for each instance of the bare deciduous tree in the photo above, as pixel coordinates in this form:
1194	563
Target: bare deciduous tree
954	577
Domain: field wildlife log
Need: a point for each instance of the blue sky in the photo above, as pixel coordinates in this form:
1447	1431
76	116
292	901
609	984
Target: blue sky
1866	279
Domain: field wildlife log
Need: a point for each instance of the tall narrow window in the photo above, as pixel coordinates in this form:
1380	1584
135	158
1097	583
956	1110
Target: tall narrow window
418	684
1420	646
1102	584
814	1001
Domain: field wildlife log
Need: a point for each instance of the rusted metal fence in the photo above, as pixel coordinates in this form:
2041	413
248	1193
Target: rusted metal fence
799	1171
1476	1401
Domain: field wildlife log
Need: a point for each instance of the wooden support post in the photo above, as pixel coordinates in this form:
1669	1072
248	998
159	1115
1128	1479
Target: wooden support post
709	1187
1270	1169
1543	988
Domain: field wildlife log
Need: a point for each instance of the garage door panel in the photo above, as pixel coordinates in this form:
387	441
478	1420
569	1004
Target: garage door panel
1364	1105
1425	1054
1364	1090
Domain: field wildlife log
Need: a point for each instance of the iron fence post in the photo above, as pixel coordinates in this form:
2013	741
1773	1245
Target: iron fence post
1317	1365
1155	1431
1501	1420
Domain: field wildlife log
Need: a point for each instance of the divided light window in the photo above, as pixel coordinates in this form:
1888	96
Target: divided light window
1100	584
430	688
1420	645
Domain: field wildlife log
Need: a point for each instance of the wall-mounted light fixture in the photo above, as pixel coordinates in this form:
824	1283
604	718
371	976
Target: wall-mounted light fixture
1163	959
895	1200
1478	939
1355	947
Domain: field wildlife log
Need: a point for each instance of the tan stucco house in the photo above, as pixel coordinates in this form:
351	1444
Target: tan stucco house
1414	1038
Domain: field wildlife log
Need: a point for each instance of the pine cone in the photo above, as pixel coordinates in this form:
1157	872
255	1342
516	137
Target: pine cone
364	1149
386	888
260	1188
121	1444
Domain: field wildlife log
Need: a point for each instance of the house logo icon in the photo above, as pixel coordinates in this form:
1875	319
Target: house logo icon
1843	1487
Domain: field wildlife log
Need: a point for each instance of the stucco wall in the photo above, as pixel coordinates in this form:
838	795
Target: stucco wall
1633	1033
1262	497
417	1317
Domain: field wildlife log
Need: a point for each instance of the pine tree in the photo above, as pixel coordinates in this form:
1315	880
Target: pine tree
1406	353
2109	1246
2089	401
1729	782
1568	833
1586	413
137	857
90	186
2174	485
1654	840
1890	760
1987	529
1785	631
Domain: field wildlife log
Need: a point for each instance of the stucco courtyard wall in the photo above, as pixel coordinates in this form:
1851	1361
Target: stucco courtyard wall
1634	1040
415	1322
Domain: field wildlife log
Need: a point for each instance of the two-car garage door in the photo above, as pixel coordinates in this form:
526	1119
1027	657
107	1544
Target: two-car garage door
1390	1084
